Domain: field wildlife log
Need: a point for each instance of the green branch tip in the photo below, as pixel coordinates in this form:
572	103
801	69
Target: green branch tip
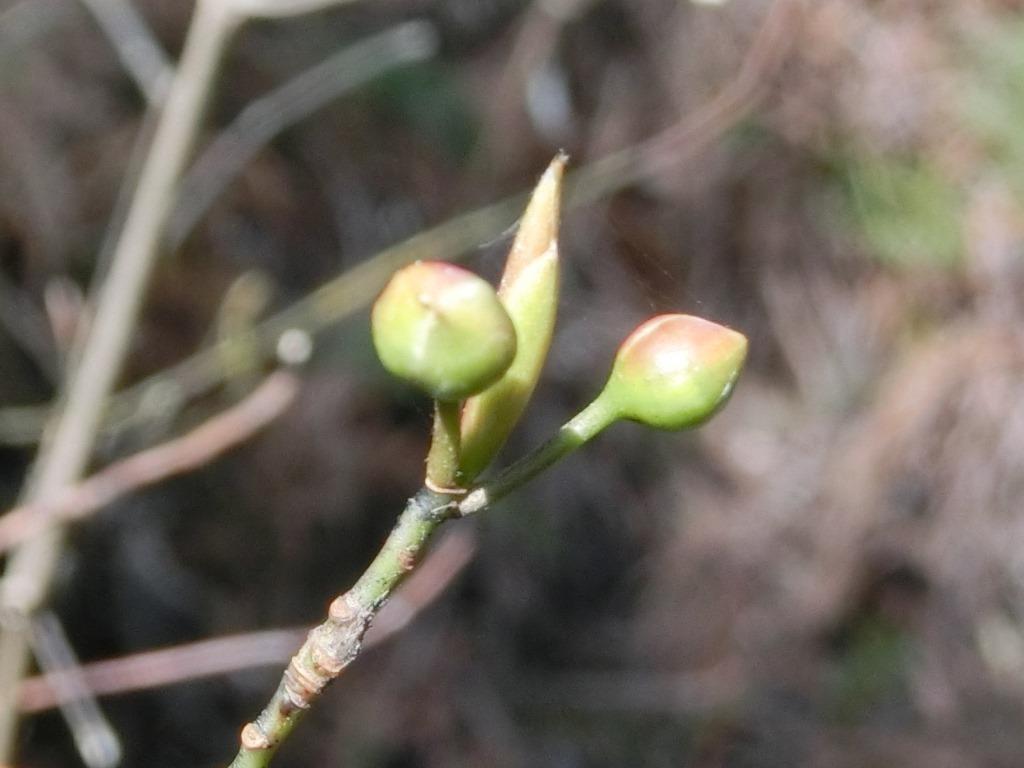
673	372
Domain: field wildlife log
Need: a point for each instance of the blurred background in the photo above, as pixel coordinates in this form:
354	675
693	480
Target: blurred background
831	573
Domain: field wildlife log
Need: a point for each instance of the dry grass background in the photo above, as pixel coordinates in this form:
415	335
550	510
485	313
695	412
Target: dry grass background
830	574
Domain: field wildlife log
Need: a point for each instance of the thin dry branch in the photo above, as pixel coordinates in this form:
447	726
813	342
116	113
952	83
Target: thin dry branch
183	454
97	742
136	46
234	653
268	116
687	139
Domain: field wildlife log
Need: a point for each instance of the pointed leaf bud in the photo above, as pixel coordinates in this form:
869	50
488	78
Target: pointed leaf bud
674	372
529	291
444	329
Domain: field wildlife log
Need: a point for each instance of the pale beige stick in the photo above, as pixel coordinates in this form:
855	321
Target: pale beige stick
96	740
182	454
224	655
100	350
136	46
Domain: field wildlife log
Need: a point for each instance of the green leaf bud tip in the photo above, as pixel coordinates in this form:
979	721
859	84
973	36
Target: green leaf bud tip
538	230
529	291
674	372
443	329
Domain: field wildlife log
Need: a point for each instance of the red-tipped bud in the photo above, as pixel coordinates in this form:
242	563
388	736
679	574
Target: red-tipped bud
674	372
444	329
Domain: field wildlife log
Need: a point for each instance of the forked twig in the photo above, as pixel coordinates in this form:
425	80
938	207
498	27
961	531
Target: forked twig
333	645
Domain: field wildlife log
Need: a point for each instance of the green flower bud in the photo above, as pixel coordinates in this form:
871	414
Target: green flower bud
529	291
444	329
674	372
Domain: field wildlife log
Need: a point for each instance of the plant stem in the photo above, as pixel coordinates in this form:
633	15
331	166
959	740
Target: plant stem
443	459
333	645
582	428
65	452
